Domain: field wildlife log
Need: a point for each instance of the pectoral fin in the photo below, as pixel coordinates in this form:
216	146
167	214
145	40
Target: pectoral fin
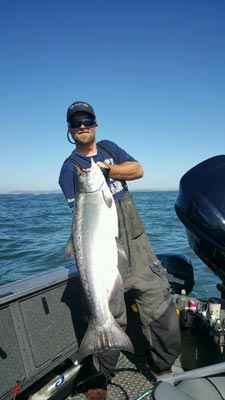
120	250
69	249
107	197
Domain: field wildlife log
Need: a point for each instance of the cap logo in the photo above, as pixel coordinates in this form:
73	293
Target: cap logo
77	105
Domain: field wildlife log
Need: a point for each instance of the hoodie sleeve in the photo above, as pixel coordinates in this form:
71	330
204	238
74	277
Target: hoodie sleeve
66	182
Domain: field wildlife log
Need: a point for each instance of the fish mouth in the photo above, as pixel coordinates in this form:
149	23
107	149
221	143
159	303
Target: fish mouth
80	169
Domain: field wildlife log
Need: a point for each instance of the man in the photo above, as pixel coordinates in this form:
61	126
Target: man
141	271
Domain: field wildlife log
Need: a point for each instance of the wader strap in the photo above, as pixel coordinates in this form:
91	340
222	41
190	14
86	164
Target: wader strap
75	162
102	146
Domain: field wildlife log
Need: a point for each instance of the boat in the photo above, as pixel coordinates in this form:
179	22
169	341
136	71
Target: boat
43	318
200	206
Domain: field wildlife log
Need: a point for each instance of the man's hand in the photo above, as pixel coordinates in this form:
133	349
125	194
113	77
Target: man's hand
105	168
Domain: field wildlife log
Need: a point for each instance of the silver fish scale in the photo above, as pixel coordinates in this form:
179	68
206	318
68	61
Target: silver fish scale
130	382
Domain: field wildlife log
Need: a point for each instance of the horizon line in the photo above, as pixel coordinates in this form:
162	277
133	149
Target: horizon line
57	191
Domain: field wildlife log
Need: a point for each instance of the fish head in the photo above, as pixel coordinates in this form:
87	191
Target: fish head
89	180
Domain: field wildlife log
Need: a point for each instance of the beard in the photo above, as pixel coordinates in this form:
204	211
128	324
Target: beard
85	137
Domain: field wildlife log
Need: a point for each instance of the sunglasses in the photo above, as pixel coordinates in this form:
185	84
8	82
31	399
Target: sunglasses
76	123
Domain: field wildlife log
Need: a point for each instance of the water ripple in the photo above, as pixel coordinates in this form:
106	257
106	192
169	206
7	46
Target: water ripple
34	231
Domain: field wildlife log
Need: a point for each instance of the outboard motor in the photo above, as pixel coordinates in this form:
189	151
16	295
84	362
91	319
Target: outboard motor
200	205
178	270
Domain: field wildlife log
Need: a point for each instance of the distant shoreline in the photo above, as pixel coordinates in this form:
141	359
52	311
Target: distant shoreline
23	192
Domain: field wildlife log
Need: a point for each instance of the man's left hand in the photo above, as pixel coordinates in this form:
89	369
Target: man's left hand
104	168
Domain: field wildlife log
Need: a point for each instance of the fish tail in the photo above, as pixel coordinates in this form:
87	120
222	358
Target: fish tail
97	340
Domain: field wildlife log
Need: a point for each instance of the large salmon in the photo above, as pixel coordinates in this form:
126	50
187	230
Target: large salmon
94	239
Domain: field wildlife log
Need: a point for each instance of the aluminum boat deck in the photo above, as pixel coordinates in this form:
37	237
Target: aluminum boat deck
132	380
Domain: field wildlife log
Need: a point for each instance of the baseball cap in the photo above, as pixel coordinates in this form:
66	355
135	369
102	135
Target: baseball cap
79	106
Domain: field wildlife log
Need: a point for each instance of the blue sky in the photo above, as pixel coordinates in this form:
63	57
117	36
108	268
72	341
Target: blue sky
153	70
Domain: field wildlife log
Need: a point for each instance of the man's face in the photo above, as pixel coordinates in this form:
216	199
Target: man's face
84	134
